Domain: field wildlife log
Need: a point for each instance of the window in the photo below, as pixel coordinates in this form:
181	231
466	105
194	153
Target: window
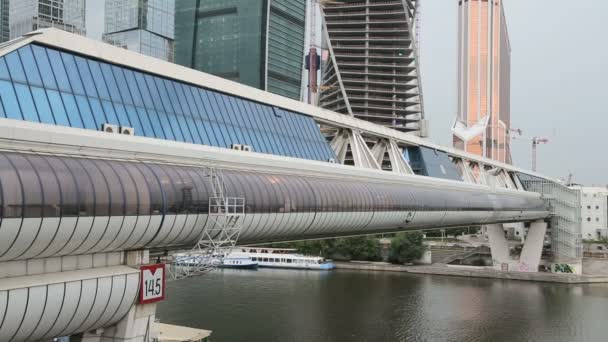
41	84
588	219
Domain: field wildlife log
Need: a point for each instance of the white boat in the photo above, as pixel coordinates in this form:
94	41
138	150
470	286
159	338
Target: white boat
283	258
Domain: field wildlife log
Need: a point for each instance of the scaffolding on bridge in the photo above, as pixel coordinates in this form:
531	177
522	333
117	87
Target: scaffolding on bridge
219	237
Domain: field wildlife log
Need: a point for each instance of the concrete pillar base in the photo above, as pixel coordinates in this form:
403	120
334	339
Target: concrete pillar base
136	326
499	247
533	247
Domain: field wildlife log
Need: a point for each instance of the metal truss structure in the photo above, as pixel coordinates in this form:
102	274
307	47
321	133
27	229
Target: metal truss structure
219	237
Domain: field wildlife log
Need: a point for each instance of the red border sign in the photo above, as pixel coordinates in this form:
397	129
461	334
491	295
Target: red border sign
151	284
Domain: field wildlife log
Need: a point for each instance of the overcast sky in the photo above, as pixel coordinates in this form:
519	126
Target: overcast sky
559	74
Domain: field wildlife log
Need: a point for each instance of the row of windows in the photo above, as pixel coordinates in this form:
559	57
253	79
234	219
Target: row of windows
49	186
45	85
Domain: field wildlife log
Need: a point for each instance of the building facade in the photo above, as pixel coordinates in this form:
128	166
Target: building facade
372	72
255	42
144	26
594	211
484	68
18	17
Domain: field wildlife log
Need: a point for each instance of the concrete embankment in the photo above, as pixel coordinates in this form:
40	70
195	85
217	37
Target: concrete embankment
475	273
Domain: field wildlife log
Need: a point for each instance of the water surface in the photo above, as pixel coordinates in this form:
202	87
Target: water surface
291	305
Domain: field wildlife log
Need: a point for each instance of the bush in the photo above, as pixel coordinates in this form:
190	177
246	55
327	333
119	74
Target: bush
406	247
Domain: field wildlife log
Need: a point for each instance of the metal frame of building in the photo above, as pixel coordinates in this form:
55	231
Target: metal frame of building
373	72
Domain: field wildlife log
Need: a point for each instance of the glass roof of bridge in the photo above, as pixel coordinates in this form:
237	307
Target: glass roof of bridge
46	85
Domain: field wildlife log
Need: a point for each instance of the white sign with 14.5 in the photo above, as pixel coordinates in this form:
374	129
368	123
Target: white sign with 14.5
152	283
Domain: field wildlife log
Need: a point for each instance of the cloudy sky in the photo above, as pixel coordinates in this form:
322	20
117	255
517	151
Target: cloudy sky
559	79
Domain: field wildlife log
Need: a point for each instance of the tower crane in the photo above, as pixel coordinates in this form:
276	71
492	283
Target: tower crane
535	142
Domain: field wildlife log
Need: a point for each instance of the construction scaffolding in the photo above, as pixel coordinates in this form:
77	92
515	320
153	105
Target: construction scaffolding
565	222
219	236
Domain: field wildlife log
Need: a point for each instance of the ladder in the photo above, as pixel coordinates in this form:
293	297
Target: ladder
219	237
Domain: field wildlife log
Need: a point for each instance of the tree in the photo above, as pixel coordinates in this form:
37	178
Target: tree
364	248
406	247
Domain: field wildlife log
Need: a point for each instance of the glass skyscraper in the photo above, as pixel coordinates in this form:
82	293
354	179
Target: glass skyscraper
18	17
144	26
259	43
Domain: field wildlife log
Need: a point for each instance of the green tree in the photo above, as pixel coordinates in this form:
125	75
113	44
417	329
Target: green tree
406	247
364	248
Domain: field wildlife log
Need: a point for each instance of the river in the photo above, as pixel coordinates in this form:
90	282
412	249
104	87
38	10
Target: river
290	305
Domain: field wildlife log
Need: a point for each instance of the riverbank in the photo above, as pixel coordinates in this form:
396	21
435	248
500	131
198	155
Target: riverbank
474	272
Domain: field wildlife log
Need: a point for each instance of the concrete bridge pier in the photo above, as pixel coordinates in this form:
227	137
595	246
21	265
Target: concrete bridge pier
529	259
136	325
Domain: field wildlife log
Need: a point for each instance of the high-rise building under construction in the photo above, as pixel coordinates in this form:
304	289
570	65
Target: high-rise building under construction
372	69
484	68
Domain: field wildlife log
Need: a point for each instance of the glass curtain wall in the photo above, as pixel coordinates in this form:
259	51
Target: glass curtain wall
146	27
41	84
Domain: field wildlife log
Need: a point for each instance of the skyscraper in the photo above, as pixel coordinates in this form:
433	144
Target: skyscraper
484	59
4	15
256	42
18	17
372	72
144	26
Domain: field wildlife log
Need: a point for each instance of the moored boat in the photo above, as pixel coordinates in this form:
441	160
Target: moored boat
284	258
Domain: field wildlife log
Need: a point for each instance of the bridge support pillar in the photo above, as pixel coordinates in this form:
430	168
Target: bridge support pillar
499	247
136	326
531	253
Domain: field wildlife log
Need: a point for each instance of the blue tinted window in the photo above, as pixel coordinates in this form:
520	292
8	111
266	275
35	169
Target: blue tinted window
98	113
100	84
164	85
73	73
27	105
157	84
9	101
14	67
217	133
29	65
135	122
194	130
144	89
59	70
108	108
3	70
134	88
72	110
149	124
161	128
42	104
185	128
110	82
261	126
170	126
147	82
44	66
61	117
121	114
85	76
205	132
123	88
85	113
186	95
179	102
203	102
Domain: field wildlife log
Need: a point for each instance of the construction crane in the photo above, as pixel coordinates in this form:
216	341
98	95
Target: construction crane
535	142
